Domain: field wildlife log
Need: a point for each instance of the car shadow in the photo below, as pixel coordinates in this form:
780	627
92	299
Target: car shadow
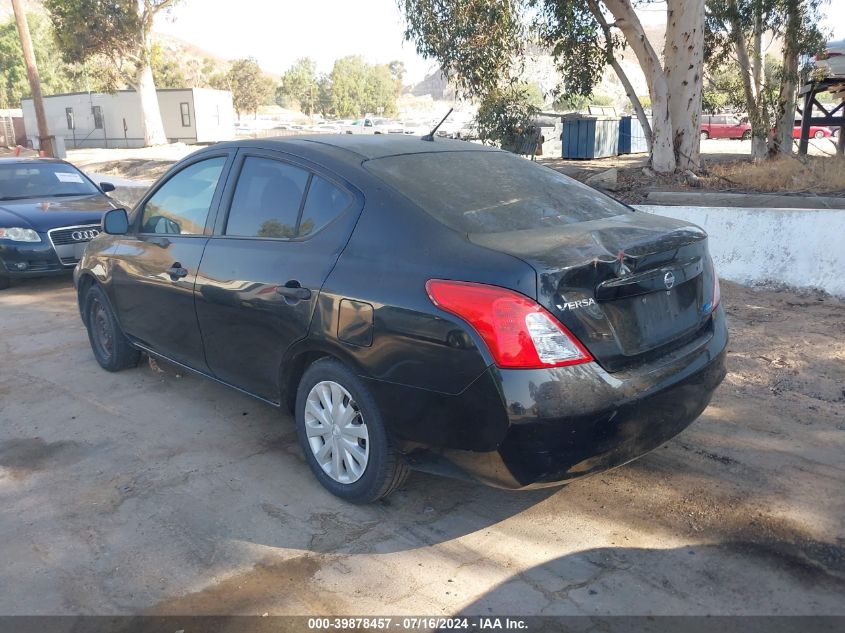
642	582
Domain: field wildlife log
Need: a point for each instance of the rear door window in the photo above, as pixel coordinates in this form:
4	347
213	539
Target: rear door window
492	192
324	203
267	199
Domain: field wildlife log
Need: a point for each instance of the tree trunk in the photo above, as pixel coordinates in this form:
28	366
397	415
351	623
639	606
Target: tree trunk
620	73
684	61
785	115
151	125
662	148
753	99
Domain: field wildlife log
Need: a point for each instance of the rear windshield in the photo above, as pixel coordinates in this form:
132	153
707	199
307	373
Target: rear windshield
492	192
39	180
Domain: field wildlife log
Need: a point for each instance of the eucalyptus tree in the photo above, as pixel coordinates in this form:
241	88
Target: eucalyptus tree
478	44
735	34
120	31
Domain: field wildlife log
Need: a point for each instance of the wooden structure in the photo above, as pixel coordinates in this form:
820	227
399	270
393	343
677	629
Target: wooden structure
832	116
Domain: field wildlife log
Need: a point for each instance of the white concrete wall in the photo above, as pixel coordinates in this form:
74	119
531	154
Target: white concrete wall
798	247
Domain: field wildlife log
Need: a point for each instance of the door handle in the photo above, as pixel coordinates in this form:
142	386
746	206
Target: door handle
292	290
176	271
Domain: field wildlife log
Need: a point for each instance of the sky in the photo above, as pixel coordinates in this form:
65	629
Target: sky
278	32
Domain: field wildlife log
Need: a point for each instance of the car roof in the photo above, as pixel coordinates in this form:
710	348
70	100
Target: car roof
367	146
6	160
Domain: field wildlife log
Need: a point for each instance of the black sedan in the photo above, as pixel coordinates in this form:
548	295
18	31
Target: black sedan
435	305
49	211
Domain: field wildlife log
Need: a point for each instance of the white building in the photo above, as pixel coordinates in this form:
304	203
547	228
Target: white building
91	119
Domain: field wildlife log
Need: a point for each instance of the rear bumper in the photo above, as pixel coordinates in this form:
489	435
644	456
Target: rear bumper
30	259
569	422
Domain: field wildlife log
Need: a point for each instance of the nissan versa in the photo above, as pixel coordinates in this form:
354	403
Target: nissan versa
49	211
436	305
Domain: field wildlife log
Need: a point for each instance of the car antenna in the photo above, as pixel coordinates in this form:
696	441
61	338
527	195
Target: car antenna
430	135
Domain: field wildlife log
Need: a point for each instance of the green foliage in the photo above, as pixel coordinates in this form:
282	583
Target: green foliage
56	76
356	88
570	30
569	102
474	41
86	28
397	73
723	91
299	86
167	71
504	112
13	80
721	14
250	87
90	31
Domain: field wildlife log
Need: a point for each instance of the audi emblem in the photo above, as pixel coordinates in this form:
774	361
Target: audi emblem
84	236
669	280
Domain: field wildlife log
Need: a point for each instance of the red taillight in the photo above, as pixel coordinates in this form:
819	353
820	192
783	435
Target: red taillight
518	332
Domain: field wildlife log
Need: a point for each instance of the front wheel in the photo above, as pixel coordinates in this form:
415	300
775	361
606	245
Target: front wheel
704	136
343	436
746	136
5	282
111	348
818	134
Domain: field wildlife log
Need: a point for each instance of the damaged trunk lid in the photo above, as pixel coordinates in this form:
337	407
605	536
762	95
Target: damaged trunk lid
629	287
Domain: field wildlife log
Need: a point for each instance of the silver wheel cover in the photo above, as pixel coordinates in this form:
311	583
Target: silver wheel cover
336	431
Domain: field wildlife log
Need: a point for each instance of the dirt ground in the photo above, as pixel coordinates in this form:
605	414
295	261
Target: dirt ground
148	491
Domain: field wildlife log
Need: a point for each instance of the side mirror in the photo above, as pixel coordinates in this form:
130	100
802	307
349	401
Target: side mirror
116	222
106	187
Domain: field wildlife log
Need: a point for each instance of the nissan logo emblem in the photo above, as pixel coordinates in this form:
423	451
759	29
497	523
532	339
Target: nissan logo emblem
669	280
84	236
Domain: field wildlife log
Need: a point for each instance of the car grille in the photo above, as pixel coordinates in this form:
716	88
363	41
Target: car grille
65	240
61	237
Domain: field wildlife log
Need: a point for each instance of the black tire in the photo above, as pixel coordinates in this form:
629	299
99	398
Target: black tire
385	470
746	135
111	348
818	134
5	282
704	136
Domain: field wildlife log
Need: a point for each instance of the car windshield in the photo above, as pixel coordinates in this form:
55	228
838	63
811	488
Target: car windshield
492	192
42	180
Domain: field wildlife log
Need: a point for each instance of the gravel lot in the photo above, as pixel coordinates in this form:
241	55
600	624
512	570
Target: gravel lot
150	492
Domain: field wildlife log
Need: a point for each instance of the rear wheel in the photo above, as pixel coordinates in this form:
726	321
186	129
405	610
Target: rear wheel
343	437
704	136
5	282
111	348
746	135
818	134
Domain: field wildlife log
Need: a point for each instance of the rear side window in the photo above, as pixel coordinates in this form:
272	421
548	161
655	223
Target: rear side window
492	192
324	203
267	199
180	206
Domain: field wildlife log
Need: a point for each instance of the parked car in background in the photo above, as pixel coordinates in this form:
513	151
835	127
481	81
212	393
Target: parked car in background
833	59
816	131
49	211
416	304
724	126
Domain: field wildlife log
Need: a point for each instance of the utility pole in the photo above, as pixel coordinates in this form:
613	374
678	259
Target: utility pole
46	141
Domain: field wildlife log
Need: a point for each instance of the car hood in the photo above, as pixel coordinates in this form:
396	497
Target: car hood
51	213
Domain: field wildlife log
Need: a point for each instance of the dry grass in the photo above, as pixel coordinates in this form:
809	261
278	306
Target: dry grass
807	174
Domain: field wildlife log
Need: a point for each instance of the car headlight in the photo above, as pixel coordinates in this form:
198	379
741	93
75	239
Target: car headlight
17	234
